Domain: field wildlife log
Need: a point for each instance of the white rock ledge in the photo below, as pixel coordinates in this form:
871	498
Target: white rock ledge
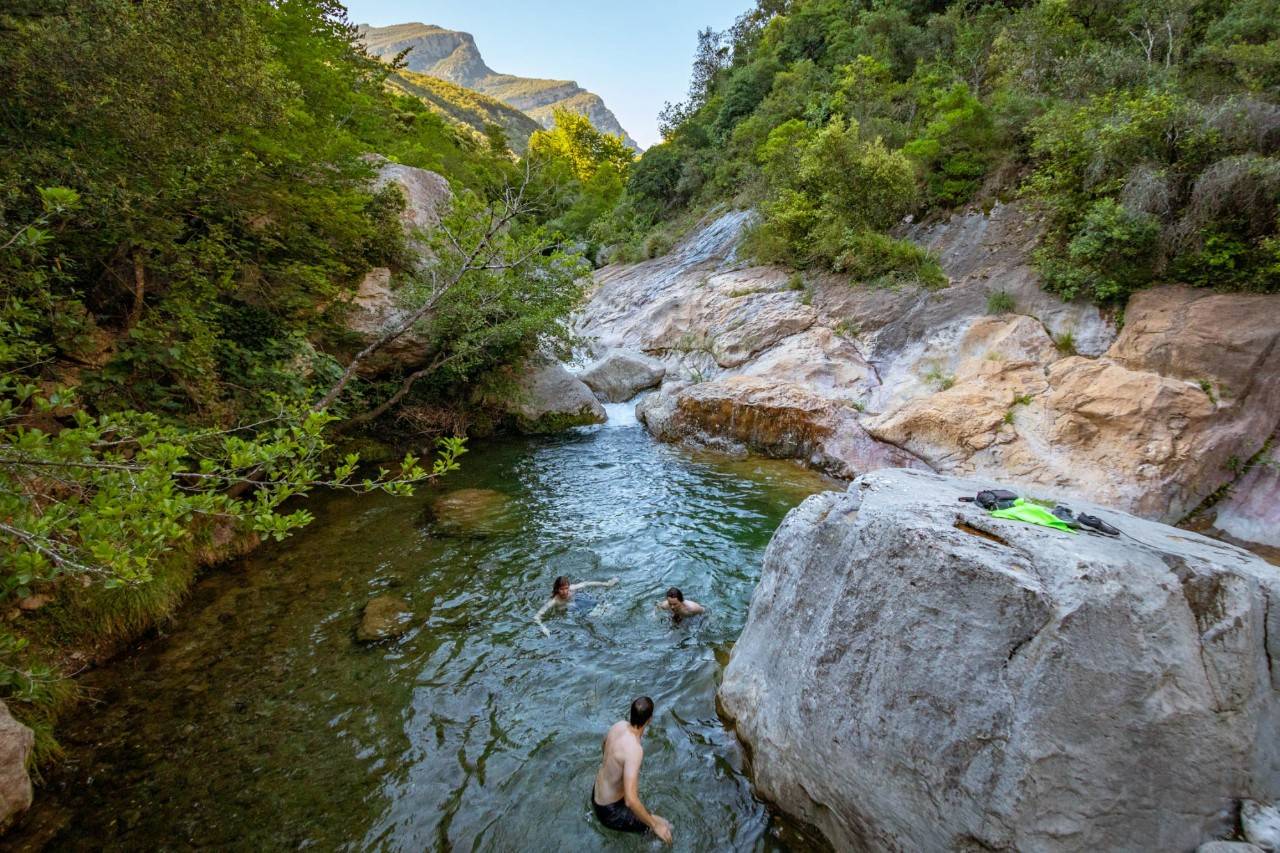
917	676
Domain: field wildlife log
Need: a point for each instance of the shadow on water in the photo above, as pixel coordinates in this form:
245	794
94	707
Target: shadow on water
256	722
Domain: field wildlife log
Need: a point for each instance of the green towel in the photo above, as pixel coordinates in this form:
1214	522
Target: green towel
1032	514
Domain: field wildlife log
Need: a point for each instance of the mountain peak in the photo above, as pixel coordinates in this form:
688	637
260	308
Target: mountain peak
452	55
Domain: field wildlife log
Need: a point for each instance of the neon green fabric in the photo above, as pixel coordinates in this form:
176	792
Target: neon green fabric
1032	514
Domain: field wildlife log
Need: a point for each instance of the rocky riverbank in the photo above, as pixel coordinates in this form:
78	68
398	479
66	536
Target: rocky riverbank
1157	410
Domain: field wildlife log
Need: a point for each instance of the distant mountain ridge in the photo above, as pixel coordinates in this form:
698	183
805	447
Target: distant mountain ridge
466	107
454	57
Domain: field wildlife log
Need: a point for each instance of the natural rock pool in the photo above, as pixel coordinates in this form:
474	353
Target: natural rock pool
257	722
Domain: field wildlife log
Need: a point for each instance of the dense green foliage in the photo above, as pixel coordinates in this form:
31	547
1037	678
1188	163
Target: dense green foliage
580	174
1147	132
186	201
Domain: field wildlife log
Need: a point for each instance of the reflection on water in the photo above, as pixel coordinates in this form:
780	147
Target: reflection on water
256	722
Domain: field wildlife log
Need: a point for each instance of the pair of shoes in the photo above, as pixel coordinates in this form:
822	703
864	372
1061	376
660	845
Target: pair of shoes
1092	522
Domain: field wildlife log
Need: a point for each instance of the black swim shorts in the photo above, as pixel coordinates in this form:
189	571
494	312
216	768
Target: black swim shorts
617	815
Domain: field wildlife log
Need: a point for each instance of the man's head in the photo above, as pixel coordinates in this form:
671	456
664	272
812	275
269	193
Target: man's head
675	596
560	589
641	711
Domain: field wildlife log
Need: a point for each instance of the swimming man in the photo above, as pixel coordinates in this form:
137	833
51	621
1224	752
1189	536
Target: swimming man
616	792
678	606
562	593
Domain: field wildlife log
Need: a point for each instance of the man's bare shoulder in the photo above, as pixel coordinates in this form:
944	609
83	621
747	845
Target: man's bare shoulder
622	741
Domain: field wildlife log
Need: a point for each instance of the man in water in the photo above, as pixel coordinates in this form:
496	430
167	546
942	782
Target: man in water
562	593
616	792
678	606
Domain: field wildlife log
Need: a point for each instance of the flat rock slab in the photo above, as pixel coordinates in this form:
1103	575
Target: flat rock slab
915	675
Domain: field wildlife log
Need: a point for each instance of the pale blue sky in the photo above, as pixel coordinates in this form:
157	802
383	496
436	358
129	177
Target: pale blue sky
635	55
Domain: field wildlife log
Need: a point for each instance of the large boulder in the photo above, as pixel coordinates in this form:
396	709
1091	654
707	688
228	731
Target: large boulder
549	399
16	743
378	305
915	675
779	420
621	375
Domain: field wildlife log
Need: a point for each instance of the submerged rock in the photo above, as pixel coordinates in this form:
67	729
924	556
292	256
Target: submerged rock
915	675
621	375
471	512
16	743
384	618
550	399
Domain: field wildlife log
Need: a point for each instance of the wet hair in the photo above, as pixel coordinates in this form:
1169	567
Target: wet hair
675	593
559	582
641	711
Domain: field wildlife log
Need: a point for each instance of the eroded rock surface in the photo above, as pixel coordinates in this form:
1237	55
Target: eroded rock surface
966	683
1250	512
1154	418
16	743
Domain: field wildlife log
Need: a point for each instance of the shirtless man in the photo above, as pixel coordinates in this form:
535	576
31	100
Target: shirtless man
616	792
562	593
678	606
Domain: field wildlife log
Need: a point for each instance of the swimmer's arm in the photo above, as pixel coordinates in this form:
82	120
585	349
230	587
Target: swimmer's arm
577	586
538	616
631	790
663	605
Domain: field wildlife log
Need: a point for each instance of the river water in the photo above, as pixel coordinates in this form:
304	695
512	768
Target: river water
256	722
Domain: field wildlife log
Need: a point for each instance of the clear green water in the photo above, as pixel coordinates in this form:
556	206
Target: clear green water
256	723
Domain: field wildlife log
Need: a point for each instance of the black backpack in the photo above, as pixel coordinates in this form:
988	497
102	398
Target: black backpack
991	499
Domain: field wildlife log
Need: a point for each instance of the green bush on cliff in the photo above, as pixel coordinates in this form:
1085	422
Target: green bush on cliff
1166	111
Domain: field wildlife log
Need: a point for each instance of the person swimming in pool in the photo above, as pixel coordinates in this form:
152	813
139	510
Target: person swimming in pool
615	794
562	593
676	603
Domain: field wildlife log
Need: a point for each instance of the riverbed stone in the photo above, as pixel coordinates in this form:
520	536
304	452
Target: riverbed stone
550	399
471	512
621	375
1261	824
384	618
16	743
968	683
